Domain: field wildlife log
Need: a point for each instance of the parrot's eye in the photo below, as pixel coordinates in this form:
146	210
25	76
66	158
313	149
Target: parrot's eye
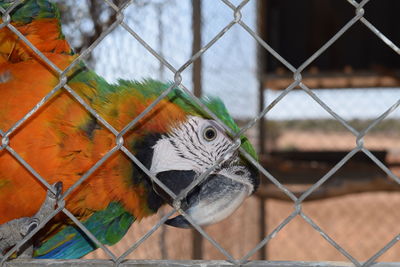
210	133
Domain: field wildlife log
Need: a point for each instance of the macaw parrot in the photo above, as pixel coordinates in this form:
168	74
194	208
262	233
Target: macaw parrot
176	141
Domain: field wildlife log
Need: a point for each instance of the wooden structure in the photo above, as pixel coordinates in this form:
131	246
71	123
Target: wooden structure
297	29
299	170
358	59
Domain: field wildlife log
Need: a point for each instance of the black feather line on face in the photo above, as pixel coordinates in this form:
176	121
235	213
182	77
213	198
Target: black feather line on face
170	178
143	150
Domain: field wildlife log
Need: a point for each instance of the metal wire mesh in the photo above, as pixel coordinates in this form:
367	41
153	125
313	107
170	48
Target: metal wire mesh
297	209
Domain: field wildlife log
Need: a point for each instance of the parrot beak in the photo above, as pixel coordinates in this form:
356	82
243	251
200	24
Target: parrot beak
214	199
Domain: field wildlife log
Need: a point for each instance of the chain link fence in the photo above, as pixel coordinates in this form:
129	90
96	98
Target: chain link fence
292	226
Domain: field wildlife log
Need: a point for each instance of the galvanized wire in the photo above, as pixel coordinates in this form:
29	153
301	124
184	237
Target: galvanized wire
235	136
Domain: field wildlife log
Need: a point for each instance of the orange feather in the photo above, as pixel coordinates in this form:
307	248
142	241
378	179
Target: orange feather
53	141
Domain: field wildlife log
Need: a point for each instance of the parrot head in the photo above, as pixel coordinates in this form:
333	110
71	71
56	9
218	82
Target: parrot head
189	149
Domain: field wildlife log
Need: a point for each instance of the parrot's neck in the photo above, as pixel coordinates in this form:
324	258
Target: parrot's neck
144	153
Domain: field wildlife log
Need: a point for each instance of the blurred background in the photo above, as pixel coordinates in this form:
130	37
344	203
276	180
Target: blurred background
298	140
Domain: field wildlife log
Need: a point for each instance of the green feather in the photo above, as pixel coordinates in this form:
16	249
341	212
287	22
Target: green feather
217	107
30	10
149	88
184	101
108	226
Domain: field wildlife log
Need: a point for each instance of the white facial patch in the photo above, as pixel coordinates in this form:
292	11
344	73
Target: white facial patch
191	145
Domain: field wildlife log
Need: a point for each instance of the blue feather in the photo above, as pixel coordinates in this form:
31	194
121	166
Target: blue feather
108	226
